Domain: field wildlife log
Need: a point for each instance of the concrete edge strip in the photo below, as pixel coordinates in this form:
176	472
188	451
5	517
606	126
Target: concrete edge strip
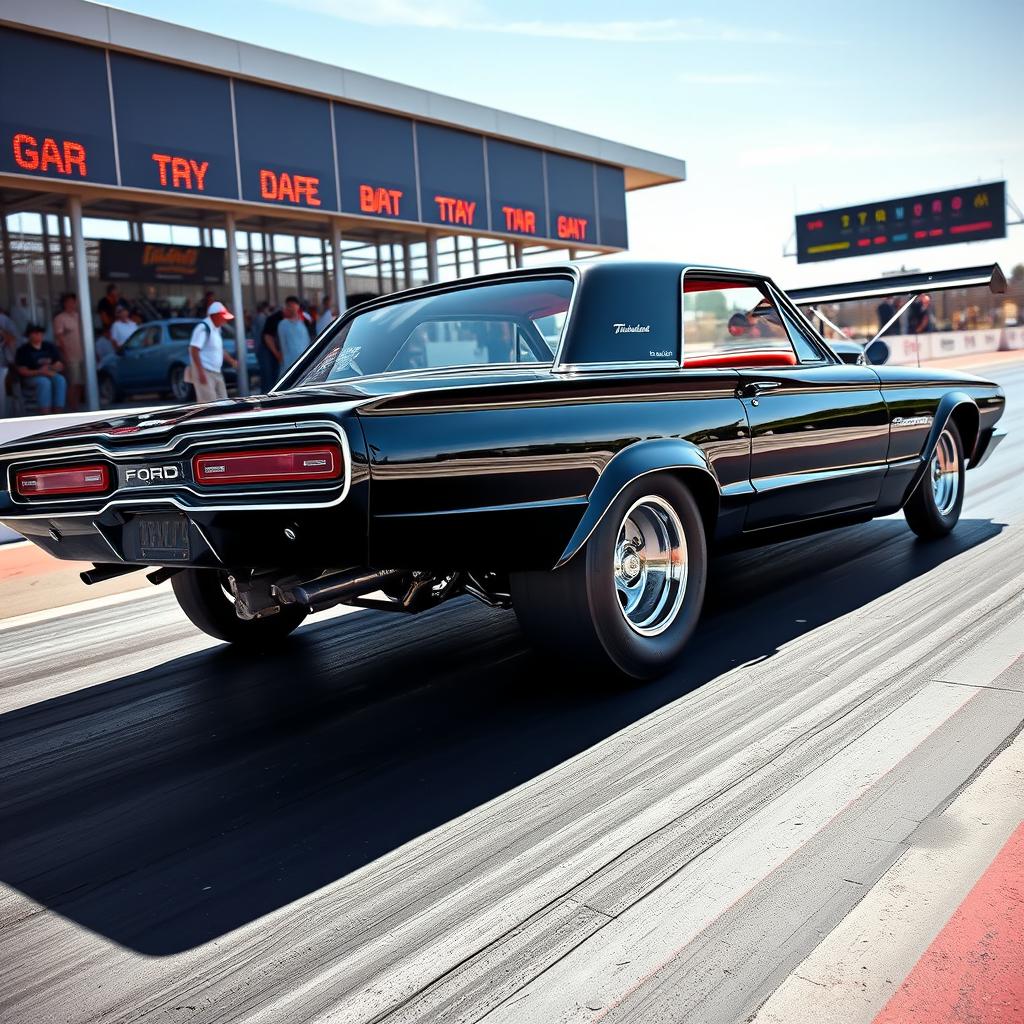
851	975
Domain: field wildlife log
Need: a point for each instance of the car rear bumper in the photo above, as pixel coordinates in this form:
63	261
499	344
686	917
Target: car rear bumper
243	538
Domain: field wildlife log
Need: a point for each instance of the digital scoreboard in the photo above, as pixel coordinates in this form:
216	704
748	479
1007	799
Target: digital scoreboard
81	113
967	214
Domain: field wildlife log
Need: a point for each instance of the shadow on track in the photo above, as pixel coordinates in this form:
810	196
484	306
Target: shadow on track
170	806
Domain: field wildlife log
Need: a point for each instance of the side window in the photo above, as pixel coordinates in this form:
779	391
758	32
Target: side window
806	352
732	322
138	339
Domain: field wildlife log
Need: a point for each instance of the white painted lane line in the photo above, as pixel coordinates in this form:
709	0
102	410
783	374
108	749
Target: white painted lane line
602	971
851	975
983	665
93	604
429	953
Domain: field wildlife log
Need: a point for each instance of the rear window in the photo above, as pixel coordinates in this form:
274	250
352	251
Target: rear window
483	325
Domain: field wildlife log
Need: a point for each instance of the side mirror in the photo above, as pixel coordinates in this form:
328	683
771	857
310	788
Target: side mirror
877	352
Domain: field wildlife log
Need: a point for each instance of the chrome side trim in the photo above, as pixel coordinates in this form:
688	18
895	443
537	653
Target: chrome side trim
766	484
139	495
574	502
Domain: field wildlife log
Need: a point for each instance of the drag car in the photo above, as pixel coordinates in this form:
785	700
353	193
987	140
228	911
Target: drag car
570	442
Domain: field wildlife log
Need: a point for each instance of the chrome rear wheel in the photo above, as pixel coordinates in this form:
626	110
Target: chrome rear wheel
650	565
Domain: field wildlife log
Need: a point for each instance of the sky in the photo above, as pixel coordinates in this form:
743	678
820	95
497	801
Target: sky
776	108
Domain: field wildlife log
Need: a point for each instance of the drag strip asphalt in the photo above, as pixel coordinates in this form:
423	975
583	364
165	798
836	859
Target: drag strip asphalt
419	819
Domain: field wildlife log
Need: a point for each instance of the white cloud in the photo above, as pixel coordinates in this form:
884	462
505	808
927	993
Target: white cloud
470	16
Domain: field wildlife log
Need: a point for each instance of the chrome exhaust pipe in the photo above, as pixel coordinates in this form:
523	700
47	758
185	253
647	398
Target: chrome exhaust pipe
326	591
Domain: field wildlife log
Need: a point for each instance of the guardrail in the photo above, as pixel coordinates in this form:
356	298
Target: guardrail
906	349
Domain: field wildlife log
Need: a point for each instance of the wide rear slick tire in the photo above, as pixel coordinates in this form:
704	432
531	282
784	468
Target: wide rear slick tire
934	508
629	601
204	598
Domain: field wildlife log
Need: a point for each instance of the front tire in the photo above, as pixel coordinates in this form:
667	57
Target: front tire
205	598
629	601
181	390
934	508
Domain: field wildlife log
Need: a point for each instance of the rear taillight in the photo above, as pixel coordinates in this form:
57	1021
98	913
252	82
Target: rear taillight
31	483
270	465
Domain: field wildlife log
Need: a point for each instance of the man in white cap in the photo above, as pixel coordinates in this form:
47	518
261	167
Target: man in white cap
207	353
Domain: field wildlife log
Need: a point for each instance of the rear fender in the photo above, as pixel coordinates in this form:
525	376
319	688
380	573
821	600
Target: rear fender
639	459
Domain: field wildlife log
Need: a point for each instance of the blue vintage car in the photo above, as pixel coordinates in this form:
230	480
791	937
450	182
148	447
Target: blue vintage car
154	359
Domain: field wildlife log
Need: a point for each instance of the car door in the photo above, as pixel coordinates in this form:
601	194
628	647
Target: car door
132	373
819	428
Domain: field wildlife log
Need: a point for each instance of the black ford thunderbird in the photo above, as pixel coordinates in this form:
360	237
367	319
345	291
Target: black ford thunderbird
570	442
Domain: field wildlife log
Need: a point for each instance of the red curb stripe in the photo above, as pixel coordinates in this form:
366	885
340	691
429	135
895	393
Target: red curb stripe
973	972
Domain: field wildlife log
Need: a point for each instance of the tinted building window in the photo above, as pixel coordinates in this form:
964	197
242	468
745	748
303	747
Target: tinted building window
174	129
517	189
452	189
285	147
54	109
377	163
611	201
571	199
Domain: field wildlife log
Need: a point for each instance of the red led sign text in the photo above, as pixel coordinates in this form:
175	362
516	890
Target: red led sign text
574	228
517	219
380	200
455	211
181	173
64	156
302	189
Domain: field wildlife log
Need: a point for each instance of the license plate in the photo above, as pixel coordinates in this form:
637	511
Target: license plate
157	538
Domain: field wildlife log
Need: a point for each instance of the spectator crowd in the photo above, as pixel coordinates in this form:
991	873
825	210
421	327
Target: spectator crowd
42	367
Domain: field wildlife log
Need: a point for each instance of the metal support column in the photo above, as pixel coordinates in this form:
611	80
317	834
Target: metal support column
92	395
407	263
298	270
64	263
517	250
324	247
8	262
51	299
432	275
340	291
476	255
237	303
252	271
270	266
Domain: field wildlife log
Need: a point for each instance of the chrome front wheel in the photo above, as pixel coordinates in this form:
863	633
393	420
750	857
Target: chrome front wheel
650	565
944	471
932	510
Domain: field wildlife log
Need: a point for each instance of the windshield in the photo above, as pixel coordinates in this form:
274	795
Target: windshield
491	324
